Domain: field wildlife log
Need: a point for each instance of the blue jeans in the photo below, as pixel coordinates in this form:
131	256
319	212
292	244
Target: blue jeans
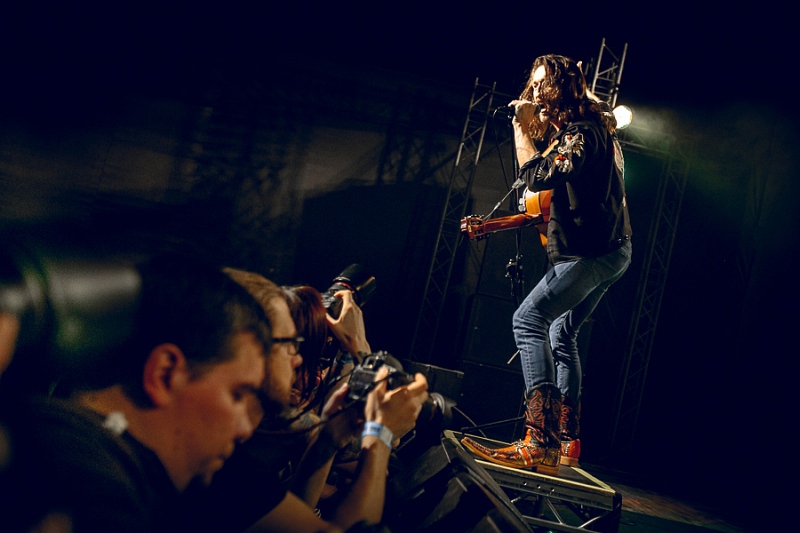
547	322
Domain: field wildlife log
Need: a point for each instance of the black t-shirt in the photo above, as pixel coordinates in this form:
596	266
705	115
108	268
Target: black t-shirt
251	484
63	460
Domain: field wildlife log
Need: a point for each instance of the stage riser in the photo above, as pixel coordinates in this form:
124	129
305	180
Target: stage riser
445	490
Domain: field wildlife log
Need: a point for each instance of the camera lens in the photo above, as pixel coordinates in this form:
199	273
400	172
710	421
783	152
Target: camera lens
355	279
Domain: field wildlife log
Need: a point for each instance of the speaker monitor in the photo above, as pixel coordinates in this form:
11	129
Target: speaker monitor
442	380
491	395
490	339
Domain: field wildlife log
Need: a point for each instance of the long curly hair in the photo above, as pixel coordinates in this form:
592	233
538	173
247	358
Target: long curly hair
564	92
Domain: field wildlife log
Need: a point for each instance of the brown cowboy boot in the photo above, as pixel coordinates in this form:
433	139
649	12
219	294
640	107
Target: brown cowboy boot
569	429
539	448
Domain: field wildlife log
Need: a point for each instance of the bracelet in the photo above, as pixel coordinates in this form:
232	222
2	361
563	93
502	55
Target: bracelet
346	358
374	429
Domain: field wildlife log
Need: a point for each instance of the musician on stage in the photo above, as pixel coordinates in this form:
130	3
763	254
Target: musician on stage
588	245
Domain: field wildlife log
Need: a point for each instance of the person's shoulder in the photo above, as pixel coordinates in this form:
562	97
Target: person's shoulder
72	438
590	132
586	124
42	415
69	460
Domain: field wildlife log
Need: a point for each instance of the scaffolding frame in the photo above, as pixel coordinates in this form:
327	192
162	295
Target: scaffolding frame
650	289
608	73
605	84
470	151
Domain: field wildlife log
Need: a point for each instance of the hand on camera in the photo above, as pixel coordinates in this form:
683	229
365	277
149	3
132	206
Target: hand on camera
349	327
341	427
397	409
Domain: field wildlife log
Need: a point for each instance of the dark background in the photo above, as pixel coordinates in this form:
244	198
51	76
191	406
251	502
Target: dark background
258	136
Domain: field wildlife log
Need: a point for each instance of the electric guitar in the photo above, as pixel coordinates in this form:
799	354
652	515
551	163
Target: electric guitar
536	212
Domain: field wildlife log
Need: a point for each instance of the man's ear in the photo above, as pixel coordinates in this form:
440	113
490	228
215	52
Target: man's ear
9	330
164	372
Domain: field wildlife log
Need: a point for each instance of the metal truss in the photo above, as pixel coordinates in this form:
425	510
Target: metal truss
408	154
605	84
565	505
661	239
608	74
242	152
469	154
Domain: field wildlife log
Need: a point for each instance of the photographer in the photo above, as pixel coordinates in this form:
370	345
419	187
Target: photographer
236	500
344	335
164	407
319	379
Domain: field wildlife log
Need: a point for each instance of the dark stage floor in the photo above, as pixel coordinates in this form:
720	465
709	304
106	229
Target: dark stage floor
656	511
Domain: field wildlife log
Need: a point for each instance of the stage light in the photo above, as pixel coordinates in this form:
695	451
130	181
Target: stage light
624	116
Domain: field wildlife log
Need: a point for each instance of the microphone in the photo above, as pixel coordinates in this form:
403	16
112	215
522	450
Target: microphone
511	111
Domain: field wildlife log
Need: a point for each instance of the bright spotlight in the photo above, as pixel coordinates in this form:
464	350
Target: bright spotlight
624	116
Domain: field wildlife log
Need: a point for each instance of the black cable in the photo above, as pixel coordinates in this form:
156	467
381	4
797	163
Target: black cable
497	145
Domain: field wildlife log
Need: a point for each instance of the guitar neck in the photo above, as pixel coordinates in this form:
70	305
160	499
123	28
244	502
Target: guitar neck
510	222
537	213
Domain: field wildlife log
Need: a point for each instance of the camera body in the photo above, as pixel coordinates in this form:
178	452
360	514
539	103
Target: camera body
362	379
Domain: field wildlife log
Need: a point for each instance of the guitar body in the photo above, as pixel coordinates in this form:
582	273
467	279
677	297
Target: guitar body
536	207
538	204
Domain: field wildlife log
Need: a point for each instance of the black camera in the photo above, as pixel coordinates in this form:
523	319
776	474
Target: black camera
354	278
362	379
436	413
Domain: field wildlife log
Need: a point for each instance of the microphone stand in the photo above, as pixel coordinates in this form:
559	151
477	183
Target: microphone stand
514	266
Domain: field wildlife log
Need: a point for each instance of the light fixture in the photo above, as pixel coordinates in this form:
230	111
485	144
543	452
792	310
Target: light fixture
624	116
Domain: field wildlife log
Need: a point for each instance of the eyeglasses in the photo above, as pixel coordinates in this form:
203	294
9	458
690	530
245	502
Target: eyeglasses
294	343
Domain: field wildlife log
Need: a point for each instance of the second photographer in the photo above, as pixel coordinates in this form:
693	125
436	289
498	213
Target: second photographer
268	495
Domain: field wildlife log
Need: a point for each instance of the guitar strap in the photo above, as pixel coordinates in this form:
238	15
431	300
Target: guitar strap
550	148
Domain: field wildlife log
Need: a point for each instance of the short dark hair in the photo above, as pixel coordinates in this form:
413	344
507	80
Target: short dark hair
194	305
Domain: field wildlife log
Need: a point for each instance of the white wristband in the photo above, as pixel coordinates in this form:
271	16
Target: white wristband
374	429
